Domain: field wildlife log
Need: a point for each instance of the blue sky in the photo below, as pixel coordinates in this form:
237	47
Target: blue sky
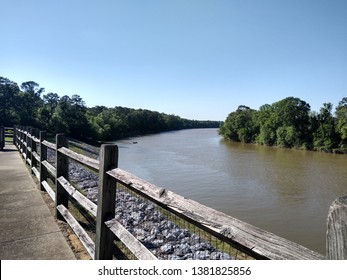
194	58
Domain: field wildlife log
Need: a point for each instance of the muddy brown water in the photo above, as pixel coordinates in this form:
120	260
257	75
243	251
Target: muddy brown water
287	192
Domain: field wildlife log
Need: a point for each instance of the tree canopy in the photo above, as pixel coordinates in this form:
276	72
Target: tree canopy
24	105
290	123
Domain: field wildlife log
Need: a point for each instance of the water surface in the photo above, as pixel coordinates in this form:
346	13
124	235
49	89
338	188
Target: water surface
287	192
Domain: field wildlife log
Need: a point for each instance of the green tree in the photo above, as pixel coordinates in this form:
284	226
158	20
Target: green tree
46	111
9	102
240	125
266	120
51	101
292	114
286	136
325	137
108	125
30	103
70	117
341	127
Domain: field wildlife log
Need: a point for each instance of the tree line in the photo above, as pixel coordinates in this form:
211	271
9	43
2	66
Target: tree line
27	105
290	123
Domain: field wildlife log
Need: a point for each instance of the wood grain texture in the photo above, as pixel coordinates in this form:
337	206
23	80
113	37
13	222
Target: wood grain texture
79	231
87	161
337	230
48	189
135	246
80	198
49	167
250	239
106	202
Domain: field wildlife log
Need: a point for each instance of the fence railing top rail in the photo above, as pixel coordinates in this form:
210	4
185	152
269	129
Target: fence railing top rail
49	144
87	161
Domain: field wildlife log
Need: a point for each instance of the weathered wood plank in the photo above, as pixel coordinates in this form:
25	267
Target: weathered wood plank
87	161
80	198
135	246
62	169
337	230
43	157
49	144
35	139
254	241
36	172
79	231
106	202
48	189
36	156
50	168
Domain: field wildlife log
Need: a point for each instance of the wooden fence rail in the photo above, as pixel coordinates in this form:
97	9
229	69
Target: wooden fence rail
254	241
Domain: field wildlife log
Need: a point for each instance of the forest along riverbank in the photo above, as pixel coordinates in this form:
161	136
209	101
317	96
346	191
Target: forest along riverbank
161	236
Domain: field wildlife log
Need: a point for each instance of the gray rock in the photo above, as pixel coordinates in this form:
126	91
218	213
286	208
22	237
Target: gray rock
202	255
167	248
158	242
170	237
137	216
188	256
142	219
182	250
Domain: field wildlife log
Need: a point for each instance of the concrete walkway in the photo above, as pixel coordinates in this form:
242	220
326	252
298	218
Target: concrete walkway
28	231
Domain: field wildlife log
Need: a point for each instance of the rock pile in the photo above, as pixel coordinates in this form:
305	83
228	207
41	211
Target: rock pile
161	236
142	219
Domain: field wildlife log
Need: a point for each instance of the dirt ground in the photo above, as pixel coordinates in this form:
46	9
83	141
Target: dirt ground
77	247
72	239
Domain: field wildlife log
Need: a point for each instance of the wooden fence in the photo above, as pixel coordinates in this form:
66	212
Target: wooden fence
5	132
249	239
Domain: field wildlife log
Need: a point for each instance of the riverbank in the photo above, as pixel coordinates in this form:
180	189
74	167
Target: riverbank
338	151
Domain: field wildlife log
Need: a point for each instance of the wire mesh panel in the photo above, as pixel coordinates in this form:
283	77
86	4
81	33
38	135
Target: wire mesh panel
165	234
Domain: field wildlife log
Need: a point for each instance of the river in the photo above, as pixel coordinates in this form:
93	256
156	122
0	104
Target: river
287	192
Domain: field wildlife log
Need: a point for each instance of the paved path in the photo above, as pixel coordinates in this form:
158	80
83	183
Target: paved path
27	228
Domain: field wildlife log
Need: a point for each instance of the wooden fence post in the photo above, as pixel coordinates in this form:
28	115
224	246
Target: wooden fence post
26	142
21	140
17	137
14	135
62	169
43	157
34	148
106	202
30	147
2	137
337	230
